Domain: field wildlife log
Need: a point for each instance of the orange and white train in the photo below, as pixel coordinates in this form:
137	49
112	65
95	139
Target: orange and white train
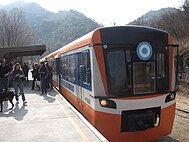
122	79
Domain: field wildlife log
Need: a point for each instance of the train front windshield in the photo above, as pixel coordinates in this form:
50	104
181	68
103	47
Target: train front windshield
128	75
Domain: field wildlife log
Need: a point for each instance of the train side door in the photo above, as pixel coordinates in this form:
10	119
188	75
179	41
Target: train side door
79	80
57	72
84	75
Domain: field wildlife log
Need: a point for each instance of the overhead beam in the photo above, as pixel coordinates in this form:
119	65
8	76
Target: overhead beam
13	52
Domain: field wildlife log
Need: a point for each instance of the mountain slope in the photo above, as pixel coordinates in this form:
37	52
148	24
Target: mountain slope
149	17
54	29
32	11
64	27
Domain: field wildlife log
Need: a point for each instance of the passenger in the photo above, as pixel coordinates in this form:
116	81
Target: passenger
35	75
4	74
10	79
49	78
25	69
43	72
32	64
18	77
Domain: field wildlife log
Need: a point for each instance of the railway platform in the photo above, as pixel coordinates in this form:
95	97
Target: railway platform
46	118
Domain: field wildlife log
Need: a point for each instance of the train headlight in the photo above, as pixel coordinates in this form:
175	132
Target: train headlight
103	102
170	97
108	103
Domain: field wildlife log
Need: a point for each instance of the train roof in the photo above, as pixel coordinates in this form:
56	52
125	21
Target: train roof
105	35
80	42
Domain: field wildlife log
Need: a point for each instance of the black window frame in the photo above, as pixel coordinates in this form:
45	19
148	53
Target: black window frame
76	77
132	48
127	71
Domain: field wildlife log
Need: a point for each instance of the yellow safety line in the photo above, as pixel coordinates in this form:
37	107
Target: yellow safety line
83	136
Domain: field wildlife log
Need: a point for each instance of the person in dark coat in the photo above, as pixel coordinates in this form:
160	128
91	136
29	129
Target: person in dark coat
35	75
4	74
43	72
10	79
50	75
25	69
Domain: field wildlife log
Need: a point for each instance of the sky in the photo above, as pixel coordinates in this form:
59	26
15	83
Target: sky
106	12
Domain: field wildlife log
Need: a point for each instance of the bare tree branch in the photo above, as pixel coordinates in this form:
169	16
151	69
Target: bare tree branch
14	30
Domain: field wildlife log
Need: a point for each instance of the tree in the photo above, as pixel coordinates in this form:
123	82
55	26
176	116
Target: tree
176	22
184	17
14	30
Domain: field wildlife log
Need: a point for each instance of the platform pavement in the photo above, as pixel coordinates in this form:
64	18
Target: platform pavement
46	118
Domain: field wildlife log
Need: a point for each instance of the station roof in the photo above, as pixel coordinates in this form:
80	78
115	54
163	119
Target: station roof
11	53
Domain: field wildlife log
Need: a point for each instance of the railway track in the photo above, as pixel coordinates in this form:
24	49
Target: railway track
182	113
182	110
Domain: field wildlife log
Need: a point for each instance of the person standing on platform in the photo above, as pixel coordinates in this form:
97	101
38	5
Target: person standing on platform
18	80
49	78
25	69
4	74
35	75
10	79
43	72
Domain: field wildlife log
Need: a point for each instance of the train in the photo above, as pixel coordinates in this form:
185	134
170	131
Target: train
122	79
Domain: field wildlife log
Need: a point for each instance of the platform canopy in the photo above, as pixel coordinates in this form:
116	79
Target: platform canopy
11	53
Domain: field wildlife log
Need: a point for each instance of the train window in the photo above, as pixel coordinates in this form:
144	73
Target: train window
143	77
64	68
117	73
85	61
162	81
57	66
128	56
71	68
128	68
160	66
128	75
53	64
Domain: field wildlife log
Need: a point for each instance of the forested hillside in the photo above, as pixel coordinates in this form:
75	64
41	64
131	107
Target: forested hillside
54	29
63	27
